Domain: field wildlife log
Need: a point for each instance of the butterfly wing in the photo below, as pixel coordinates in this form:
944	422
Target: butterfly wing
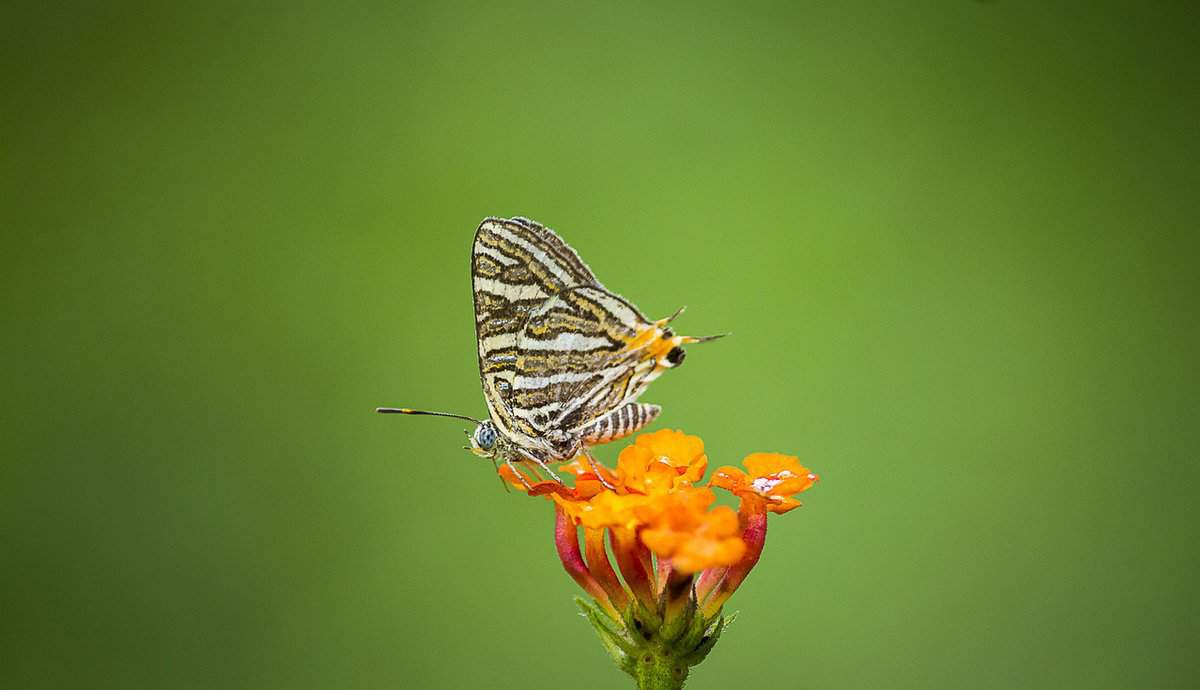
581	355
517	265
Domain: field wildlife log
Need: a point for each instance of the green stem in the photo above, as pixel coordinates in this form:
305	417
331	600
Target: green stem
658	668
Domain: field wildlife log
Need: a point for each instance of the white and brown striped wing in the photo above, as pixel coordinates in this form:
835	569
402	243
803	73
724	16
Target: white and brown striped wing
582	356
517	265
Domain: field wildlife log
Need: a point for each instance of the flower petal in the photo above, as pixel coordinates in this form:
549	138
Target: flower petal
680	448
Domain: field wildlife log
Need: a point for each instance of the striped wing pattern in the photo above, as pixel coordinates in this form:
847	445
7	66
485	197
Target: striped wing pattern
516	265
580	359
560	357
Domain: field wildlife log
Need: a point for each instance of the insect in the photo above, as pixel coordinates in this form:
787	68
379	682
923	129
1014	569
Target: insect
562	359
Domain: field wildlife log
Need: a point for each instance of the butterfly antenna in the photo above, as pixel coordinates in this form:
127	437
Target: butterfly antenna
405	410
704	338
674	316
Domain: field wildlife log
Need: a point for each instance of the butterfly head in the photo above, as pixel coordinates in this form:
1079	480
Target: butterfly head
485	440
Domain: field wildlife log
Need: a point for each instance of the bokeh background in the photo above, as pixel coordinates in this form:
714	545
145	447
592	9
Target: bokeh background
955	242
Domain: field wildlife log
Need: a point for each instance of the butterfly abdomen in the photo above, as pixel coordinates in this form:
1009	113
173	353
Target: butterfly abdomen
621	422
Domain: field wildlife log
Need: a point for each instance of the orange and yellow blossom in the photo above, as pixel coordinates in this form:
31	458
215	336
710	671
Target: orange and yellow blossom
681	528
679	557
650	452
771	479
655	466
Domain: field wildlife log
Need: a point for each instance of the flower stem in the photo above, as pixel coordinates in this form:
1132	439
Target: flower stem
659	669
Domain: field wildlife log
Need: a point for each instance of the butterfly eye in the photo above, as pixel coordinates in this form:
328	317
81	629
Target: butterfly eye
485	436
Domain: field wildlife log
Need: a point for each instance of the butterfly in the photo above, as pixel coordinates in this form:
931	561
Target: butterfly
562	359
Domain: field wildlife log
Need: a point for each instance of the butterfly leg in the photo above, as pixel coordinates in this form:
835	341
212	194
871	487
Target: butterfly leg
542	464
595	468
517	471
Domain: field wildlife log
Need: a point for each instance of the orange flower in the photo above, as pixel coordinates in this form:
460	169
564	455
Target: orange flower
587	484
659	561
605	509
681	528
678	449
660	462
772	479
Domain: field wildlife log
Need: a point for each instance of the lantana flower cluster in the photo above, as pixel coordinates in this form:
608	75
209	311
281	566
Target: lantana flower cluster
678	556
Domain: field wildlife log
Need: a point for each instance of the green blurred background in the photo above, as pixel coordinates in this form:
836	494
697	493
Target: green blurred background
955	242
